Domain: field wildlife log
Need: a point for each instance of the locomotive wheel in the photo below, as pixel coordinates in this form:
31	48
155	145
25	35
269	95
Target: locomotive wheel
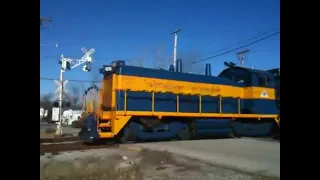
185	134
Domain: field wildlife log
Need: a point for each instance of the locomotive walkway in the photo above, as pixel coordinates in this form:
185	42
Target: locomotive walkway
248	155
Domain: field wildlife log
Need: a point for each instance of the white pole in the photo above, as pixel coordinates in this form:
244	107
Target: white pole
242	60
175	50
75	62
175	47
59	125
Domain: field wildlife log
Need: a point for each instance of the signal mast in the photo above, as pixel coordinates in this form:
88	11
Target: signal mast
66	65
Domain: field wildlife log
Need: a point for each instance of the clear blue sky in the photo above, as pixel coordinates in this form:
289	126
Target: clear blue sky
125	29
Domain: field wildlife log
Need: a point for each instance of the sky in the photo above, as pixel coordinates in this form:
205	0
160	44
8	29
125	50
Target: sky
137	29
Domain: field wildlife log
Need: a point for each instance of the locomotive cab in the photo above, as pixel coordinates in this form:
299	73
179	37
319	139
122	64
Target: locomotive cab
249	77
259	89
276	74
108	70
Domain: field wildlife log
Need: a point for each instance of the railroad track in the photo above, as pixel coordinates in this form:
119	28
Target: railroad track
58	145
74	146
58	140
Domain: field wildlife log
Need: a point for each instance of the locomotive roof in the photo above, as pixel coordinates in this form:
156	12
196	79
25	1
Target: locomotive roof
274	69
255	71
161	74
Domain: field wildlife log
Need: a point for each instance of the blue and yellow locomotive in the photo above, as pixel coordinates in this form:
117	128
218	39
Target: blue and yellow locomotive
138	103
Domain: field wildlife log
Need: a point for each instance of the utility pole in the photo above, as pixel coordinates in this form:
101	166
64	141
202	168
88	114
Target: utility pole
175	33
68	64
241	56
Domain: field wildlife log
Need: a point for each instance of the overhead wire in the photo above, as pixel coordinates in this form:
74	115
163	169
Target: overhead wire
71	80
244	41
226	52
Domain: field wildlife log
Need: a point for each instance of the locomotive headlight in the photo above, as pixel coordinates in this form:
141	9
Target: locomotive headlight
87	67
108	68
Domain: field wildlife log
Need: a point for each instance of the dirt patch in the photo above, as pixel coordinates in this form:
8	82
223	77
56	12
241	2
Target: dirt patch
44	135
89	168
143	165
50	130
47	133
76	146
164	159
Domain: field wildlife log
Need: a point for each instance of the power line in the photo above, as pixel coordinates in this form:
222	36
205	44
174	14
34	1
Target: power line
244	41
42	20
52	79
261	39
47	58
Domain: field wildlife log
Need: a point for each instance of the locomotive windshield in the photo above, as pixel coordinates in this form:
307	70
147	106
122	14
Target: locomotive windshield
240	76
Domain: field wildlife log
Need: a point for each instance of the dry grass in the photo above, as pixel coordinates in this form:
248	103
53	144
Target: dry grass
47	133
105	169
90	169
146	163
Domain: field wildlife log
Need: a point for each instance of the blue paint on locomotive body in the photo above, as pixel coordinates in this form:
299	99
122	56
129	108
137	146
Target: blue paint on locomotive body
252	129
212	127
158	132
207	127
166	102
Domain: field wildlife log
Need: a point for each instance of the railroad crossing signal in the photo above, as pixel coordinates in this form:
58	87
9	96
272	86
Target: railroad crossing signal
59	88
68	64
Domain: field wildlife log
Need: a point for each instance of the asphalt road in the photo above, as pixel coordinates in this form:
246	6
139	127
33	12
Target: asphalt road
247	155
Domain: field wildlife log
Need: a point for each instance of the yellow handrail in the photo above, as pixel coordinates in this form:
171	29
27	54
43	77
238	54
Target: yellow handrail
177	106
152	106
125	101
220	104
200	104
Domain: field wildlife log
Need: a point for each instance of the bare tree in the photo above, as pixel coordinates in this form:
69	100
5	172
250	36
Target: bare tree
46	97
75	90
160	60
46	102
187	63
95	82
67	97
139	61
95	76
82	88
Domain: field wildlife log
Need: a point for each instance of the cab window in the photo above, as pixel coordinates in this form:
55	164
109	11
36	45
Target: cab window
265	81
239	76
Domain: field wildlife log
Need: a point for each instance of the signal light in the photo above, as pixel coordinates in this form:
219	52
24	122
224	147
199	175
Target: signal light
66	65
87	67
